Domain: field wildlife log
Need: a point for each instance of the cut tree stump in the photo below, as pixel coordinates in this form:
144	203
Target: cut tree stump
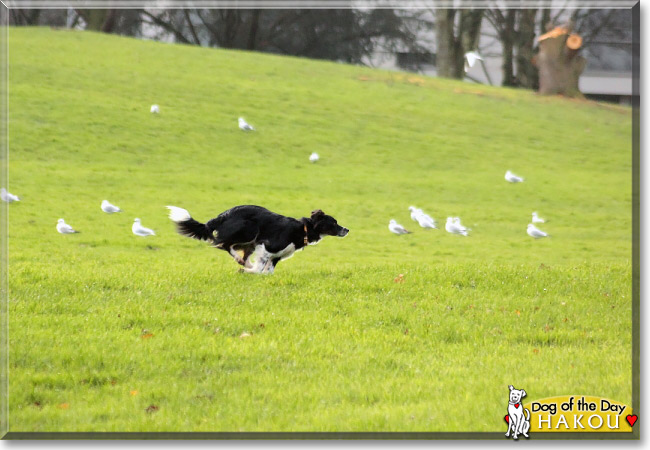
559	63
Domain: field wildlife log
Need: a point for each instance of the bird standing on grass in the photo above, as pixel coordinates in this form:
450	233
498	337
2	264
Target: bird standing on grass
424	220
415	212
7	197
396	228
454	226
244	126
139	230
64	228
108	208
537	219
512	178
535	232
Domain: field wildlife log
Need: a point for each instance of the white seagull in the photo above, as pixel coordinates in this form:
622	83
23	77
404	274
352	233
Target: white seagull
245	126
396	228
314	157
139	230
454	226
535	232
537	219
64	228
7	197
415	212
512	178
470	59
155	109
108	208
425	220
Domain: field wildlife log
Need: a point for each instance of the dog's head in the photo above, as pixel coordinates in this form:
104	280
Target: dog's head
327	225
516	394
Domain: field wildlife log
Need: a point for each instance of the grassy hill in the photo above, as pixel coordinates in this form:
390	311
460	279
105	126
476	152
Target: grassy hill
113	332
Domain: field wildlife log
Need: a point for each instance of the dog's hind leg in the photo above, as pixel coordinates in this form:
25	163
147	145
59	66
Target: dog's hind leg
236	256
248	251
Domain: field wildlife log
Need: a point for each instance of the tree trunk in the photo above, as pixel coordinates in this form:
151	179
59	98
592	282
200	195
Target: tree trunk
445	42
451	46
507	40
526	71
559	66
252	35
109	21
98	19
470	29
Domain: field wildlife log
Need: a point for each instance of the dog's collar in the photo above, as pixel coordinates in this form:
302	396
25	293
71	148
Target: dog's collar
516	405
306	241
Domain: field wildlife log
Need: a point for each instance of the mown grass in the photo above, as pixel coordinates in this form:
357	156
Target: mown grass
104	324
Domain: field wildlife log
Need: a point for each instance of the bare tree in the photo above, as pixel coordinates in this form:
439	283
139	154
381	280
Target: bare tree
345	35
457	32
527	75
31	17
504	24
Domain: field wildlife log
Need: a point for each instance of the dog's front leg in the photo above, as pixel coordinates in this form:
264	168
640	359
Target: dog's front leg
514	423
268	266
521	428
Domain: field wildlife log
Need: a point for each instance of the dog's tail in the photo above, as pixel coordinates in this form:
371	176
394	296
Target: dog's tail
528	414
187	226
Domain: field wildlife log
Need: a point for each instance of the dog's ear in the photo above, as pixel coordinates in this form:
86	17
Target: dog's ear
511	387
317	213
523	393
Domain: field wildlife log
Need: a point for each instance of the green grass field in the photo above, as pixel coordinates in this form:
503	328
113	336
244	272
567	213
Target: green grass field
112	332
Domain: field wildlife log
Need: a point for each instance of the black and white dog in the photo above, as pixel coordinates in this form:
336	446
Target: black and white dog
264	237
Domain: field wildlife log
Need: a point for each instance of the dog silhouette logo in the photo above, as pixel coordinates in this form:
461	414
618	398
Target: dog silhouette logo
518	418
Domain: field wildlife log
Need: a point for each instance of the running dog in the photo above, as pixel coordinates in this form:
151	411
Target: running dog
264	237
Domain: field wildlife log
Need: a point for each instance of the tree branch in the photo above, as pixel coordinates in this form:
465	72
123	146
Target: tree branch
197	41
167	26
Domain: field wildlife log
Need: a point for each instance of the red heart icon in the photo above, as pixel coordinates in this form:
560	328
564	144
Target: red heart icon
631	419
507	418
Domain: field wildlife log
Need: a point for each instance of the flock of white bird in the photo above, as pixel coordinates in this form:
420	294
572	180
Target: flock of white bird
109	208
454	225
